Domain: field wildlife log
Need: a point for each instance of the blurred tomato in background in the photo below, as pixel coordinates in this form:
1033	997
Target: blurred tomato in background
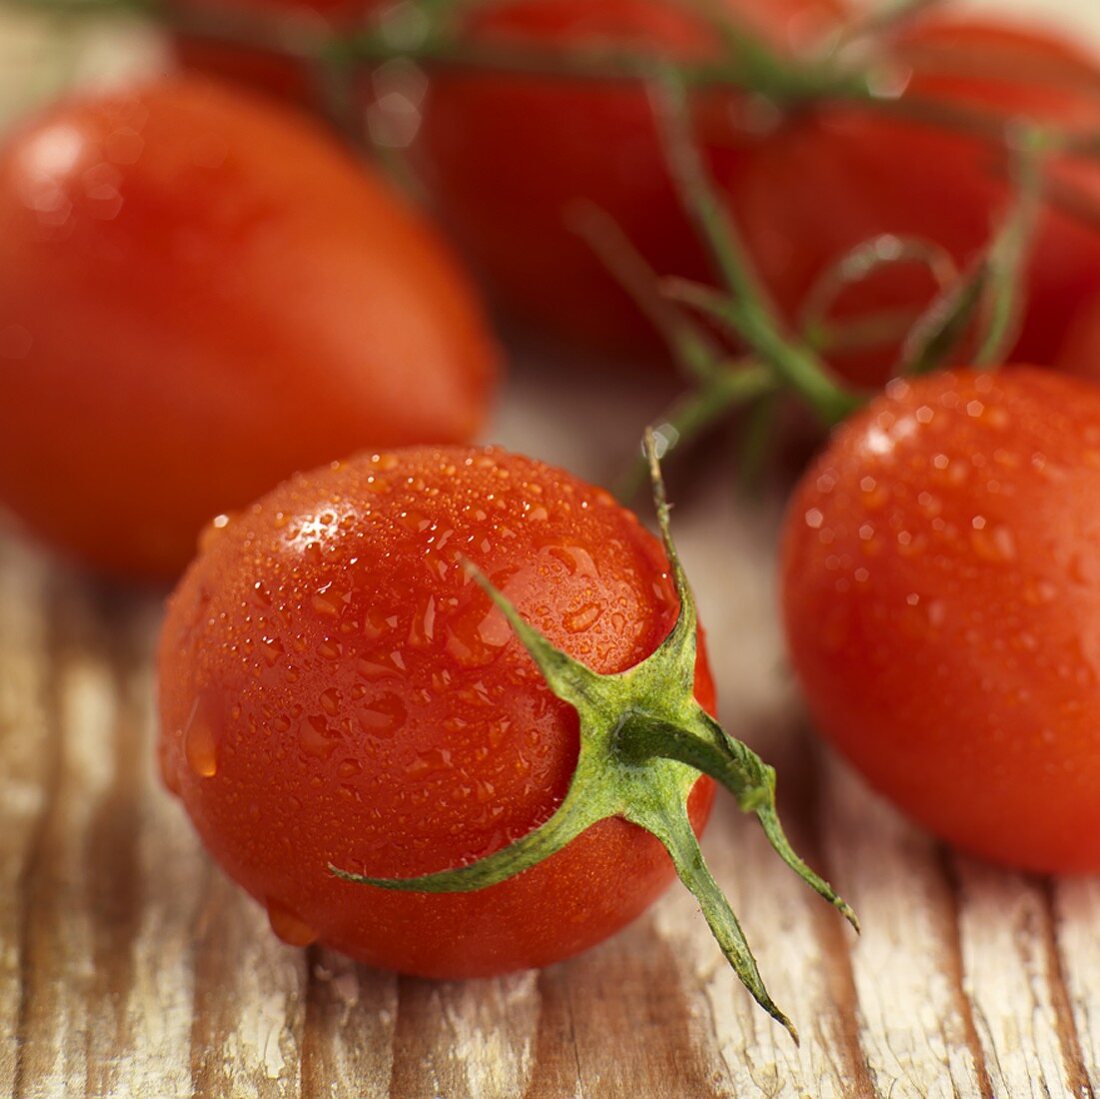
201	293
511	159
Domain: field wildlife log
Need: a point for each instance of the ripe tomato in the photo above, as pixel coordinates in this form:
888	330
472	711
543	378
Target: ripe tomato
335	688
198	295
833	177
509	158
942	606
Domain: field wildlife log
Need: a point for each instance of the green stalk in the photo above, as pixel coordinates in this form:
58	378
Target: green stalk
747	309
644	741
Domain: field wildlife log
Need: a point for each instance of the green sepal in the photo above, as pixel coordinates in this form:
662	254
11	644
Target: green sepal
644	741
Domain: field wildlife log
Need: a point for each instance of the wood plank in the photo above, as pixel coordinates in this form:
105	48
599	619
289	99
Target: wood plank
1013	980
26	773
915	1023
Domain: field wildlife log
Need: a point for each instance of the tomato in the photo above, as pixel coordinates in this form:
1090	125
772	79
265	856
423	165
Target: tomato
835	176
510	158
265	71
335	688
200	294
941	597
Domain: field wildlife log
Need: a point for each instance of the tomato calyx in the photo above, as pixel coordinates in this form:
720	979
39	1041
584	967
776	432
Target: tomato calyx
644	740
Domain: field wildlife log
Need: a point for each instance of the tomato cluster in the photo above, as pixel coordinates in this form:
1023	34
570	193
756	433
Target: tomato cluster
406	664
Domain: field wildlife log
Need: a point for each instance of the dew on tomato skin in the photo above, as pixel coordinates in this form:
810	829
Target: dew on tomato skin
200	743
330	701
316	737
289	927
430	761
384	717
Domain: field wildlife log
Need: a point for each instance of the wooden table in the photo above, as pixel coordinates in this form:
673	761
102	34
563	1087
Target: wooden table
130	967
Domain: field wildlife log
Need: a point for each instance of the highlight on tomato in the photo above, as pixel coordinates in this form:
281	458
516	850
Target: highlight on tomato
199	294
443	770
942	606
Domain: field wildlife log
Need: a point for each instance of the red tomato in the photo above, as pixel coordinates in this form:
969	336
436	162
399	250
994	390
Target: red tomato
334	688
198	295
941	593
833	177
510	157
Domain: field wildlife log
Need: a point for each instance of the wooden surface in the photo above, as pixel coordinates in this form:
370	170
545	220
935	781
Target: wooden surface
130	967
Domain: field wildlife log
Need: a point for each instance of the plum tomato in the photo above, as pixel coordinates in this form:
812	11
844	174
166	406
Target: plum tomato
200	294
336	689
941	595
509	158
832	177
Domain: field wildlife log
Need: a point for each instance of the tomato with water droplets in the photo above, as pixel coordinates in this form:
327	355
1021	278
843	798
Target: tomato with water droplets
335	688
199	294
941	592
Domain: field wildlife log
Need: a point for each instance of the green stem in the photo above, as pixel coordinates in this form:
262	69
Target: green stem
696	353
697	410
1008	253
794	364
675	833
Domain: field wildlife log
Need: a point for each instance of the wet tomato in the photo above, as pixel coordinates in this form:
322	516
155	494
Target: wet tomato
942	604
336	689
198	295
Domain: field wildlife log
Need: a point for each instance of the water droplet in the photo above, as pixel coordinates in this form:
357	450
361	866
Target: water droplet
582	619
199	742
432	760
383	717
317	737
330	701
292	929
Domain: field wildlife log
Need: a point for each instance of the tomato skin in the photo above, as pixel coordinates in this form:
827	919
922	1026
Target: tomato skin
359	703
200	294
942	607
833	177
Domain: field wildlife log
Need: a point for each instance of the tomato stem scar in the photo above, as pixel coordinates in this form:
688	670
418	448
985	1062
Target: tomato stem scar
644	740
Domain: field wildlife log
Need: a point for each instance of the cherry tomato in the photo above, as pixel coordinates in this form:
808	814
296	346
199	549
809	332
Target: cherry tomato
833	177
510	158
200	294
942	604
335	688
